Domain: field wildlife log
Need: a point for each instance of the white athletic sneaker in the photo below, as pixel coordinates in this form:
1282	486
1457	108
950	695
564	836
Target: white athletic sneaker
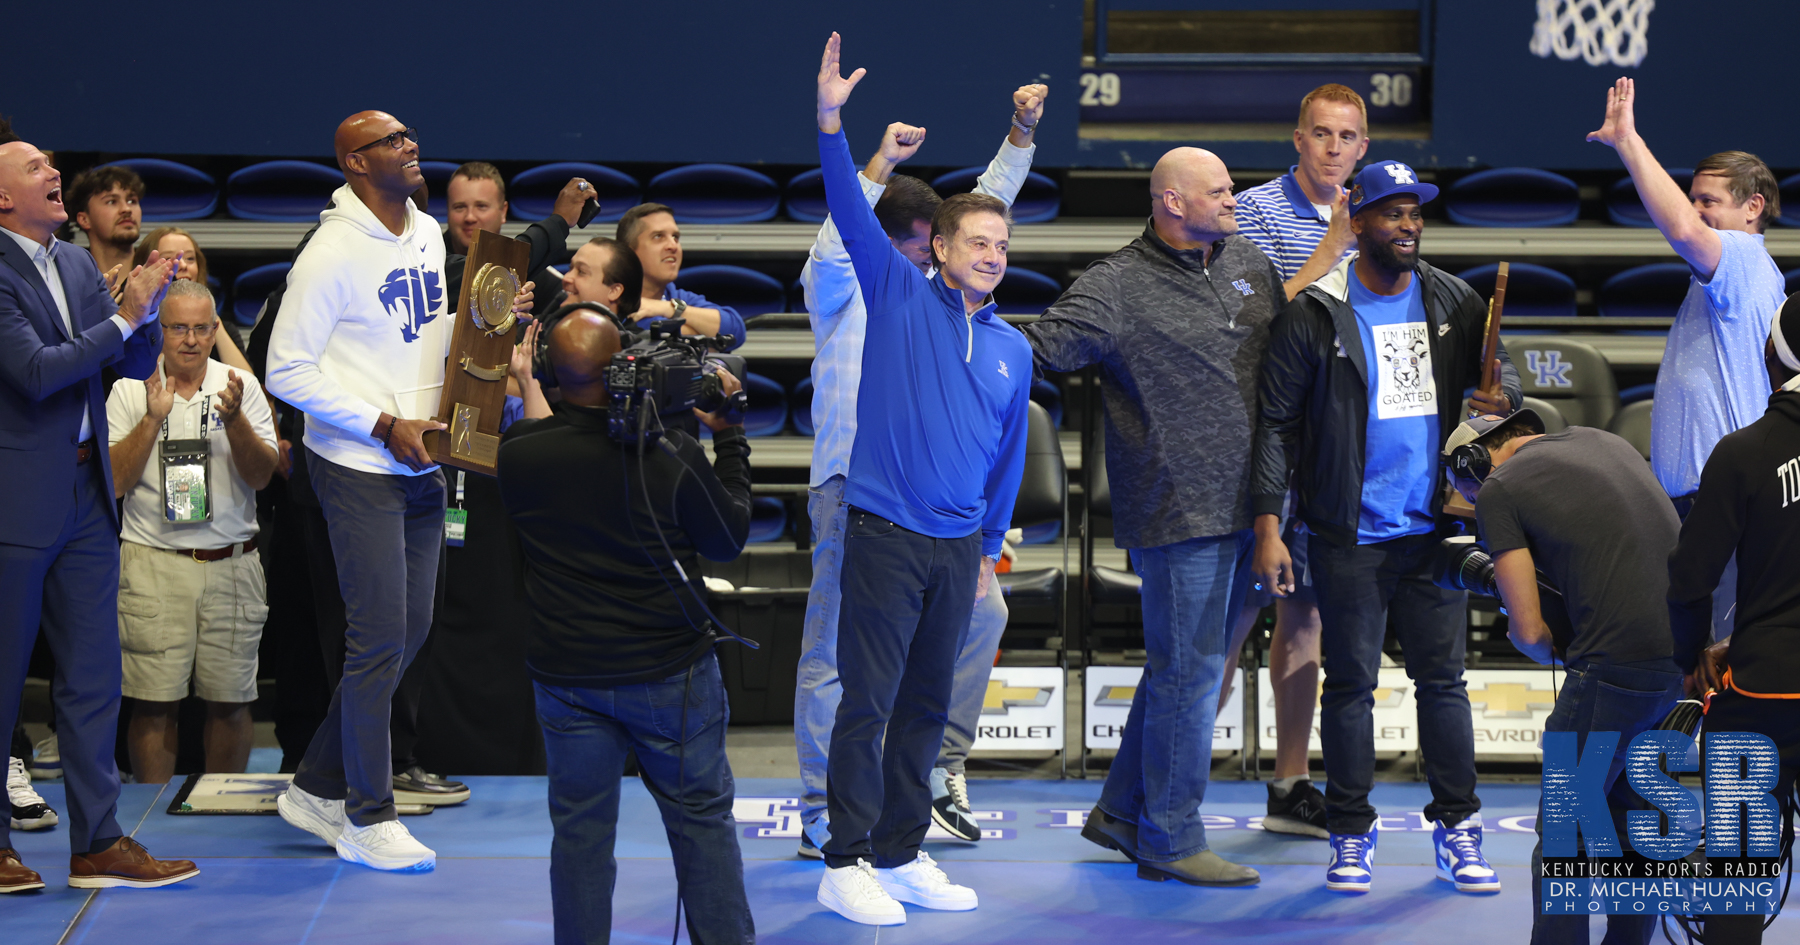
46	761
854	893
320	817
29	812
923	884
385	846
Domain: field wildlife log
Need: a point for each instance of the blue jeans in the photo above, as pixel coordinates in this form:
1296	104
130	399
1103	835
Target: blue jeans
588	734
968	690
816	685
1363	590
1601	697
1192	593
386	535
906	604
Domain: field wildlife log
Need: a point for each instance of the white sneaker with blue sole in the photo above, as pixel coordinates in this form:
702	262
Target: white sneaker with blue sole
1352	867
385	846
1459	858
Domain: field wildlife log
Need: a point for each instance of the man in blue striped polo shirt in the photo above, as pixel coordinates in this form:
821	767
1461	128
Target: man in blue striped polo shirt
1298	220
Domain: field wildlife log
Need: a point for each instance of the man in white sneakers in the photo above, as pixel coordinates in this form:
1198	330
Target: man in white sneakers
360	349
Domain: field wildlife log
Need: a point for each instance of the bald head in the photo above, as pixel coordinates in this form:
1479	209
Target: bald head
1191	202
581	347
30	192
360	129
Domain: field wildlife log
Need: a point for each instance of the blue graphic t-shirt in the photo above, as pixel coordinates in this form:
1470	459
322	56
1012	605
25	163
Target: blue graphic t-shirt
1400	451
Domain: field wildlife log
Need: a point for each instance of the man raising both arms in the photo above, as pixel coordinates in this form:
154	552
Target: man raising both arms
948	384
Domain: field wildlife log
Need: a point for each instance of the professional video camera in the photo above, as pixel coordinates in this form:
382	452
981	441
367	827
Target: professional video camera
1463	565
668	374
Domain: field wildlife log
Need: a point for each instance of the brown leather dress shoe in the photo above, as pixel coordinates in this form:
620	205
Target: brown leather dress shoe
15	876
127	863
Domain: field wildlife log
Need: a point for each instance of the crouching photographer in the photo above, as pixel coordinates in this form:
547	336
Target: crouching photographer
612	512
1579	512
1749	506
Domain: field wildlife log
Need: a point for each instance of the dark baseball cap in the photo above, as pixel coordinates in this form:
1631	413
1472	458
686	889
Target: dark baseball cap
1384	179
1475	428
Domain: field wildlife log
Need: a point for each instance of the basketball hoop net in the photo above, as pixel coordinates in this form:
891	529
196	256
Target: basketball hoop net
1599	31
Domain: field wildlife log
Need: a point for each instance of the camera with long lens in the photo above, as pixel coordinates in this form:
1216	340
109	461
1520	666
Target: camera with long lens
1463	565
666	375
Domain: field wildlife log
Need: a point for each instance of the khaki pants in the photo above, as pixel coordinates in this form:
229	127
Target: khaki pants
182	619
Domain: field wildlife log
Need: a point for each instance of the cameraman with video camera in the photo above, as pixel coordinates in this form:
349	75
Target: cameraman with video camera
611	518
1578	511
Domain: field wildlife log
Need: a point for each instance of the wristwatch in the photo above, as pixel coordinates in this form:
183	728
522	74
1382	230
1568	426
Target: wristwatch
1023	128
680	308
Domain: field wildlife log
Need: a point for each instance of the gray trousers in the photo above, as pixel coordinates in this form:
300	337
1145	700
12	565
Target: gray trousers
386	534
968	692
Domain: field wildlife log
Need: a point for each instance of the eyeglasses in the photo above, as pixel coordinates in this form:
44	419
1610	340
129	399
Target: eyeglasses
198	331
394	141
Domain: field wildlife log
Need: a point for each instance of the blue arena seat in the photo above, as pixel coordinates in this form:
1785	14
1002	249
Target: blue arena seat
768	519
1626	208
1513	197
806	197
1790	202
1039	201
533	193
750	292
1792	277
768	409
1530	289
1653	291
250	288
800	406
173	191
796	297
1632	395
1042	534
281	191
1025	292
716	193
437	184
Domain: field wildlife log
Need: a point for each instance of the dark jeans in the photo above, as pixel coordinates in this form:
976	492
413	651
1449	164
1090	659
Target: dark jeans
588	733
1780	720
386	534
1362	590
906	601
1192	593
71	589
1601	697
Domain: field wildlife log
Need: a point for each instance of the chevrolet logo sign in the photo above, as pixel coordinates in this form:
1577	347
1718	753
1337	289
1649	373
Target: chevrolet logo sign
1001	697
1510	700
1385	698
1118	696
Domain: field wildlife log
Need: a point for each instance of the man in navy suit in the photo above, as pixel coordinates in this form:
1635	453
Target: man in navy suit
59	529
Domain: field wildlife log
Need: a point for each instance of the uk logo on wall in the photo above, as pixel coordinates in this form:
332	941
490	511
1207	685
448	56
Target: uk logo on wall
412	297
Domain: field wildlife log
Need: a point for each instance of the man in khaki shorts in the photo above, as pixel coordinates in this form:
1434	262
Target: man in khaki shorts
191	593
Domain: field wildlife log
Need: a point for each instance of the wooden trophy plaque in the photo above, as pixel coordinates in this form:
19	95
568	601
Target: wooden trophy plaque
1454	503
481	346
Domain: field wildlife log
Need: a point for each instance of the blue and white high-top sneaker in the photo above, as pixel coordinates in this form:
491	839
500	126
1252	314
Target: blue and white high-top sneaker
1352	866
1459	858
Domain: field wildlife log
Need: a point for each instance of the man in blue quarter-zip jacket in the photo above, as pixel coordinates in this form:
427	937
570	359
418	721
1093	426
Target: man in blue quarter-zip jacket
941	420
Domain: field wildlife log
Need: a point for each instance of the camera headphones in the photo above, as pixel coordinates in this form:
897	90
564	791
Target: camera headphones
541	368
1470	461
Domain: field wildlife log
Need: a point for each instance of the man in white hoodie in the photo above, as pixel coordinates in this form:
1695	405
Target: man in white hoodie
360	349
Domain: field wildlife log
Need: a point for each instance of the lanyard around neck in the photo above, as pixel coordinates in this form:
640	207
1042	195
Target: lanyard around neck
205	415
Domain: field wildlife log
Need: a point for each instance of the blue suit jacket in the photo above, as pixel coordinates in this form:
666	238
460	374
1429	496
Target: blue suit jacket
47	378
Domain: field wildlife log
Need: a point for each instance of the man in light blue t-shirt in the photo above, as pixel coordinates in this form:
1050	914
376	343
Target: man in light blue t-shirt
1712	381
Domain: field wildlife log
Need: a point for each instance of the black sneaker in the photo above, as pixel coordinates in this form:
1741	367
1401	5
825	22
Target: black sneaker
29	812
1301	812
950	805
415	786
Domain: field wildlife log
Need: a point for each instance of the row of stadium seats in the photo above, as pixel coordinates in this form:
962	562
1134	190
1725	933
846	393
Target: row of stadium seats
295	191
1652	291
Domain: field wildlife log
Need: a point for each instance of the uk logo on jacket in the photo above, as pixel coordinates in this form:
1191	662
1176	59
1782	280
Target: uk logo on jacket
411	295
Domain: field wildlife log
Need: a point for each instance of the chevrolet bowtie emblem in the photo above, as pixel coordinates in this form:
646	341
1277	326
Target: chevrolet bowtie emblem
1115	696
1001	697
1510	700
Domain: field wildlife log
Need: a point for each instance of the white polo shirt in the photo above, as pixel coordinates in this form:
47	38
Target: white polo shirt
234	502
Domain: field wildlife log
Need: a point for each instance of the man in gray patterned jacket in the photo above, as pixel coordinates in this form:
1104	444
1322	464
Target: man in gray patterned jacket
1178	322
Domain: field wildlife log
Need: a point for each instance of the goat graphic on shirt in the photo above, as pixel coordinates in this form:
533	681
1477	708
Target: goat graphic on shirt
1404	385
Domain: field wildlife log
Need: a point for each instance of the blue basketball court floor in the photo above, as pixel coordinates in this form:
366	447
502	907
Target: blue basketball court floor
265	882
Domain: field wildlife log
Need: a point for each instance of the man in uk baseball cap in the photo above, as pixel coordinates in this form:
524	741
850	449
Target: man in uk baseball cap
1384	179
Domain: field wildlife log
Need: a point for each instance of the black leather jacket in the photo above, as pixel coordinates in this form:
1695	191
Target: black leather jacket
1314	396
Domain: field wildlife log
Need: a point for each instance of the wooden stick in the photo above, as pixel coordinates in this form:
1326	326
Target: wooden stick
1490	349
